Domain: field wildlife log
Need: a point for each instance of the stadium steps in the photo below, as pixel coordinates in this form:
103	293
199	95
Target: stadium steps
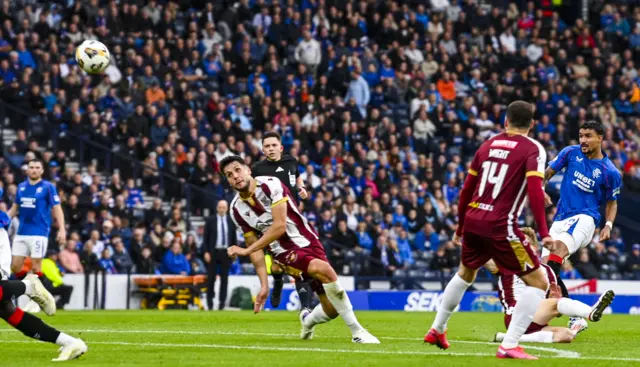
9	136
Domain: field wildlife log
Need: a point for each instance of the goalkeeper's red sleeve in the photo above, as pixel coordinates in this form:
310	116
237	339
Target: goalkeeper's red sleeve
536	203
465	198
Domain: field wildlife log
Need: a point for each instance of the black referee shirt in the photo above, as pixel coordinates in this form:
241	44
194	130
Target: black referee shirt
286	169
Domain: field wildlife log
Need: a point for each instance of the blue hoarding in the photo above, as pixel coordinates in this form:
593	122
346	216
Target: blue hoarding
429	301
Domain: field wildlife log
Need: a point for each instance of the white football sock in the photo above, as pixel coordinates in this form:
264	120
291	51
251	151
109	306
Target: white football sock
450	300
538	337
29	287
573	308
523	315
64	339
340	301
317	316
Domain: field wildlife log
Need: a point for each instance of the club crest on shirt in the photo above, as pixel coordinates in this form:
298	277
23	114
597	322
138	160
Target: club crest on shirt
596	173
38	190
264	200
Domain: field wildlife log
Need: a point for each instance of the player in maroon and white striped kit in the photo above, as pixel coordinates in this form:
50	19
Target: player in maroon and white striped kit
510	288
505	171
265	208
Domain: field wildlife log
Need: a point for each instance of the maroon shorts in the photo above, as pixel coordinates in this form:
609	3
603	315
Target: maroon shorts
533	328
512	254
295	262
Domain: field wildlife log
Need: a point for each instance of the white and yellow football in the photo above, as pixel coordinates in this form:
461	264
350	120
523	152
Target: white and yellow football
93	56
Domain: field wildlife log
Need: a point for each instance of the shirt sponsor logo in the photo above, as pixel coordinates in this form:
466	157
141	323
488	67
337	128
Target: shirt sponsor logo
583	182
504	144
28	203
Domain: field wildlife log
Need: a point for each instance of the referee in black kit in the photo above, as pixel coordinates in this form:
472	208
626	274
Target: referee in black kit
285	168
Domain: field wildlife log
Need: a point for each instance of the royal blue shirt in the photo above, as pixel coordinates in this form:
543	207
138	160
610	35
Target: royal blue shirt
35	203
587	183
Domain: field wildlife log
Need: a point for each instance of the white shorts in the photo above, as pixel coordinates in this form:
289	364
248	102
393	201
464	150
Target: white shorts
31	246
5	255
576	232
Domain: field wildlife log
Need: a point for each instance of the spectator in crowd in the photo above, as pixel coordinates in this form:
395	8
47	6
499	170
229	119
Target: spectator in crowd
174	261
69	258
633	262
121	257
106	263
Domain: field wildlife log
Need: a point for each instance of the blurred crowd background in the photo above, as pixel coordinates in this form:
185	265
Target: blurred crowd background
382	102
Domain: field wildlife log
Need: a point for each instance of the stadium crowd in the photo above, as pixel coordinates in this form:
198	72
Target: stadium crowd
383	103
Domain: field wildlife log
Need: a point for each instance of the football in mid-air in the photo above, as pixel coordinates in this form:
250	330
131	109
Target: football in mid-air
93	56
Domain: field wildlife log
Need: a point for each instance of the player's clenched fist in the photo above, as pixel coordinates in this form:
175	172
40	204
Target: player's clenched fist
234	251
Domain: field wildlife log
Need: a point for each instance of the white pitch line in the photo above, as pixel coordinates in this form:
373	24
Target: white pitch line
560	353
270	348
323	350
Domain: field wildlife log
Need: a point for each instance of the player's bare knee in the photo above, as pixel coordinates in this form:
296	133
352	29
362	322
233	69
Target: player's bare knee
467	274
322	271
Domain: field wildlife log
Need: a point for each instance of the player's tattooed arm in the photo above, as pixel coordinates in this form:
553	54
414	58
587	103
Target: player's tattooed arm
548	173
611	211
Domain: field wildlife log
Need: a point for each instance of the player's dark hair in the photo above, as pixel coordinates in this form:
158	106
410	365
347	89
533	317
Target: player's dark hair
36	160
272	134
594	125
520	114
230	159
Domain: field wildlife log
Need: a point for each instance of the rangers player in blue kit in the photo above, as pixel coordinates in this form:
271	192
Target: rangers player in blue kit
590	179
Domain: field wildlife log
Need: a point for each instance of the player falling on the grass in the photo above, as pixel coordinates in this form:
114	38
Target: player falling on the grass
590	179
285	168
264	206
511	287
31	286
36	203
504	170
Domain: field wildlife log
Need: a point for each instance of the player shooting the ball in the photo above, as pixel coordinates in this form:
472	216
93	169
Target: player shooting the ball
511	287
264	209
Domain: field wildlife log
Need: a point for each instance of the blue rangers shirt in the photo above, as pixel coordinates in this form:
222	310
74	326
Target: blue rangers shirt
587	183
35	203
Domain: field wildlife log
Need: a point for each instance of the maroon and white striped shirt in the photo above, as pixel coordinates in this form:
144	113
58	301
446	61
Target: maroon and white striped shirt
510	288
254	215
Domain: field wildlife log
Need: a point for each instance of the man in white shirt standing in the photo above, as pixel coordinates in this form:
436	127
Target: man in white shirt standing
308	52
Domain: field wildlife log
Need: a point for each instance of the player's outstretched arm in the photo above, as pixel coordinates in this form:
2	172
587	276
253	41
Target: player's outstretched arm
611	211
58	216
536	203
15	210
548	173
466	195
257	259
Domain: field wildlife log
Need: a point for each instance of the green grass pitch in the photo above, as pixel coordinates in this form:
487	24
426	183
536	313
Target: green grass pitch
183	338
